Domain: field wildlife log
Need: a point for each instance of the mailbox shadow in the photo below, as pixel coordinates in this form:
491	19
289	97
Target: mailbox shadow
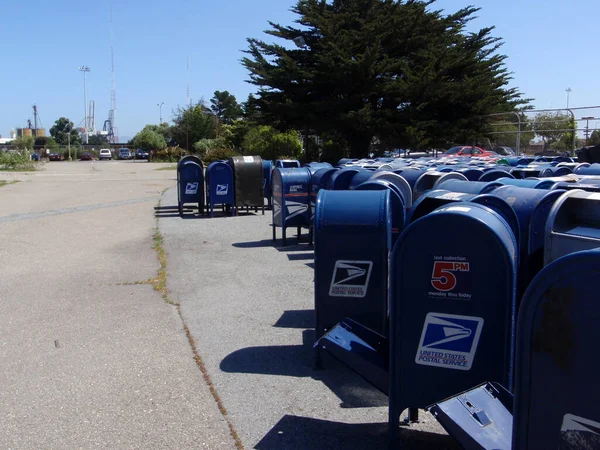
297	361
299	318
301	256
294	247
299	433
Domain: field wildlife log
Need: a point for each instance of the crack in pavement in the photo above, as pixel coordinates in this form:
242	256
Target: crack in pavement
75	209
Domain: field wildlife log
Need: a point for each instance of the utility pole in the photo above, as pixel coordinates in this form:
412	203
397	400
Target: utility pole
587	127
160	111
84	69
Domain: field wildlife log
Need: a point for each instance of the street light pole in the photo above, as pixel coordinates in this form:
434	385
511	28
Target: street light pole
85	69
568	92
160	111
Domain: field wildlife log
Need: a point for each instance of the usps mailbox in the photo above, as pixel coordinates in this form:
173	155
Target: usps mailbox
267	174
397	205
573	225
432	179
469	187
472	174
190	180
290	200
315	166
340	179
361	177
248	182
493	175
352	242
532	207
219	186
400	183
451	317
593	169
411	176
557	401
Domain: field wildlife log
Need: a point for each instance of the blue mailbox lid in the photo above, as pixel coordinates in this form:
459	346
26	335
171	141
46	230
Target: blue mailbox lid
494	174
432	200
469	187
411	175
340	179
359	178
400	183
593	169
287	163
532	183
369	208
431	179
397	204
471	173
557	401
314	166
556	171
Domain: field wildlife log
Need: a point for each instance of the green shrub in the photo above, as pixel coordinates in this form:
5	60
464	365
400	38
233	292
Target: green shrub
13	160
217	154
169	154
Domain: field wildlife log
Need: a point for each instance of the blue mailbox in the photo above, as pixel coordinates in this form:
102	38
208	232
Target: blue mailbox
593	169
315	166
493	175
190	182
451	317
469	187
432	179
400	183
557	401
219	186
267	175
352	243
555	171
532	207
397	204
290	199
340	179
361	177
471	173
411	176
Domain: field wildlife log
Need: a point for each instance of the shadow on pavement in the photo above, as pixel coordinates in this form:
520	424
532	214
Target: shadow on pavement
299	433
290	247
300	318
301	256
297	361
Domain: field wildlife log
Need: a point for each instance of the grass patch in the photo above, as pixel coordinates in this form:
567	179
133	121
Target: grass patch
167	168
6	183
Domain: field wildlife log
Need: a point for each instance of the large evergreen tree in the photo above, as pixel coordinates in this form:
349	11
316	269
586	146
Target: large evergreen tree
398	71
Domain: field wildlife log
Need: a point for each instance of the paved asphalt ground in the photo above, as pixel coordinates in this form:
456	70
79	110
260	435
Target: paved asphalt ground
90	359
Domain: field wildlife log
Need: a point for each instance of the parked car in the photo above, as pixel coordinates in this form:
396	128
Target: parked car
464	150
86	156
55	157
503	151
140	153
105	153
124	153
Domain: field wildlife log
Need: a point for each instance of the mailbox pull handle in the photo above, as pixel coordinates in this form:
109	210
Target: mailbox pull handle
478	414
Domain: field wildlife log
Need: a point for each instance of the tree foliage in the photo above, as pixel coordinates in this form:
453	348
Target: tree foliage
98	139
555	129
268	143
150	139
399	71
192	124
60	132
594	138
226	107
23	142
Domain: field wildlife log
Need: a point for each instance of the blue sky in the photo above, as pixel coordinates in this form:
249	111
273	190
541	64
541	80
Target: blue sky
548	43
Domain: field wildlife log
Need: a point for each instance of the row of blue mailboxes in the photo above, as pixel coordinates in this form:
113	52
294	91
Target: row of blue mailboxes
483	281
240	181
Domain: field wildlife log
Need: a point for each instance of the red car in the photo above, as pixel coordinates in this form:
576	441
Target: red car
468	151
87	156
55	157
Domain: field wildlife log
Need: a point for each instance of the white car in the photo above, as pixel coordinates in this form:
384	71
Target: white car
105	153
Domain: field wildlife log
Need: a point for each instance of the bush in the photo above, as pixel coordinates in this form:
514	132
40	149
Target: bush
218	154
203	146
270	144
169	154
13	160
